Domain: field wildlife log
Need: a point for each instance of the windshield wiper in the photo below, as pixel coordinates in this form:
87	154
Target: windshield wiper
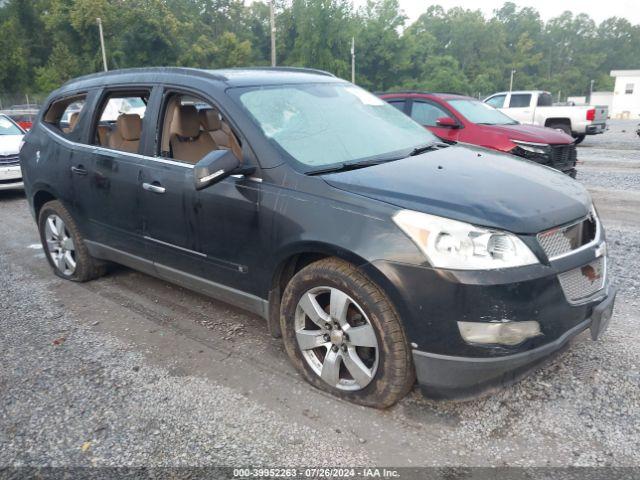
427	148
345	166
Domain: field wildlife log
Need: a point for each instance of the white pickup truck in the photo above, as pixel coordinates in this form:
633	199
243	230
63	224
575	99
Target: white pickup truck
535	107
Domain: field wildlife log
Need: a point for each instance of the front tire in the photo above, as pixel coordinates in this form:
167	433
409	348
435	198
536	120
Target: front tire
64	246
344	336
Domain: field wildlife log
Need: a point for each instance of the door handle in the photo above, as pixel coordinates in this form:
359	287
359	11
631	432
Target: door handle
79	170
154	187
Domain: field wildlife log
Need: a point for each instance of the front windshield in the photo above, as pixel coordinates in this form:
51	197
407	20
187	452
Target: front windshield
325	124
479	112
7	127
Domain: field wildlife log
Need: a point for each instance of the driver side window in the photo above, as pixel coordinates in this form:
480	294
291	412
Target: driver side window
191	128
427	114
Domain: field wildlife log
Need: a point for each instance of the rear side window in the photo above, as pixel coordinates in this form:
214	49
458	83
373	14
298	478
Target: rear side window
427	114
497	101
520	100
545	100
63	114
119	121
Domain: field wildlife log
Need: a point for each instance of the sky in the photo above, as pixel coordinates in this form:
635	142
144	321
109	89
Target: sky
597	9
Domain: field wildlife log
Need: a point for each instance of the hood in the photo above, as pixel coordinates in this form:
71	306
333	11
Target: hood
531	133
9	144
475	186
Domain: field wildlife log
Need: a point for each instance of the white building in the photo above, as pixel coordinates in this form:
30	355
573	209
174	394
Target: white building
602	98
626	94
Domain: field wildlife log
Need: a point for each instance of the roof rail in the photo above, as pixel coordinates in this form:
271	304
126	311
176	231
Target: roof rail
122	71
292	69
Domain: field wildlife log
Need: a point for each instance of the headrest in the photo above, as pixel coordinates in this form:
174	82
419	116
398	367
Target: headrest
186	123
210	120
73	120
129	125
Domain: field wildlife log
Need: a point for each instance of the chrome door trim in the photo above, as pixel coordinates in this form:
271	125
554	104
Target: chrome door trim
167	244
109	151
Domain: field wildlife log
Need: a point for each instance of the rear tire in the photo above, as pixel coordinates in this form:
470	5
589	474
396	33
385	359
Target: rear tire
365	335
64	246
579	138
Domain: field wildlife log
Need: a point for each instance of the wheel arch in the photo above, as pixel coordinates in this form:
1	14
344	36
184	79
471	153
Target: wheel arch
42	196
558	120
296	258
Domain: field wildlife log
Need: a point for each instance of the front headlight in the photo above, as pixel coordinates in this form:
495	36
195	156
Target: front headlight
539	148
462	246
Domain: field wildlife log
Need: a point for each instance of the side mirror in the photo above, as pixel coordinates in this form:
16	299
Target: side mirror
447	122
214	167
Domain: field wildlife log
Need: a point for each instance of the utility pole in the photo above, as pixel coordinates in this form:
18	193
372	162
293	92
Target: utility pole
104	54
590	90
511	81
353	59
272	21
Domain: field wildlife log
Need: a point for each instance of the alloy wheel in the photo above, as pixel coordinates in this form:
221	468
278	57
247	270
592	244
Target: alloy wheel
336	338
60	245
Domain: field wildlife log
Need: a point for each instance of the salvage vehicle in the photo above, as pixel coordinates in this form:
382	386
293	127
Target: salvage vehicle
377	252
535	107
11	135
458	118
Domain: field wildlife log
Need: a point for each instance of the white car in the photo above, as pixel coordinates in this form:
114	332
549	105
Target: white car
10	139
535	107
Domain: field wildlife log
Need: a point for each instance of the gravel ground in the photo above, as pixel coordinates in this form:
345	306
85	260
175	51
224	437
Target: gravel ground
74	397
611	160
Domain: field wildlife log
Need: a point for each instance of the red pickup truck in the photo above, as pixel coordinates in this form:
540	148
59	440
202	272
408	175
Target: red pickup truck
457	118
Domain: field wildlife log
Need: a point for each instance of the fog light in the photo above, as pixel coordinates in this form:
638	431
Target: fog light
503	333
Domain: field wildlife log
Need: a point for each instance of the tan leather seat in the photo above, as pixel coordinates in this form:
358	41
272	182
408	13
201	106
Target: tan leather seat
73	121
220	131
210	121
103	135
126	136
188	142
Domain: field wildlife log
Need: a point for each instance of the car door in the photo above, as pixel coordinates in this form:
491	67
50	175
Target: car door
519	107
427	113
68	152
209	238
113	204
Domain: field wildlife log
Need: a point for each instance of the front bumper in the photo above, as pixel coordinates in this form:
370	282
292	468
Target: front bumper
431	302
444	376
10	177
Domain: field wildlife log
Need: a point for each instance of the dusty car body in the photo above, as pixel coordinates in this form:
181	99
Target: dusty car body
378	253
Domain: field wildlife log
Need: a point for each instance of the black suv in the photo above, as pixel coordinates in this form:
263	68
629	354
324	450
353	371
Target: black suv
376	252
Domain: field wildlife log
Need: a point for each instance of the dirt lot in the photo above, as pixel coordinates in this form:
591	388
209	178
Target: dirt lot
129	370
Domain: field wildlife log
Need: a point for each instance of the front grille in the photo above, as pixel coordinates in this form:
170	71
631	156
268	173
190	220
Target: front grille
581	283
563	156
9	159
561	241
